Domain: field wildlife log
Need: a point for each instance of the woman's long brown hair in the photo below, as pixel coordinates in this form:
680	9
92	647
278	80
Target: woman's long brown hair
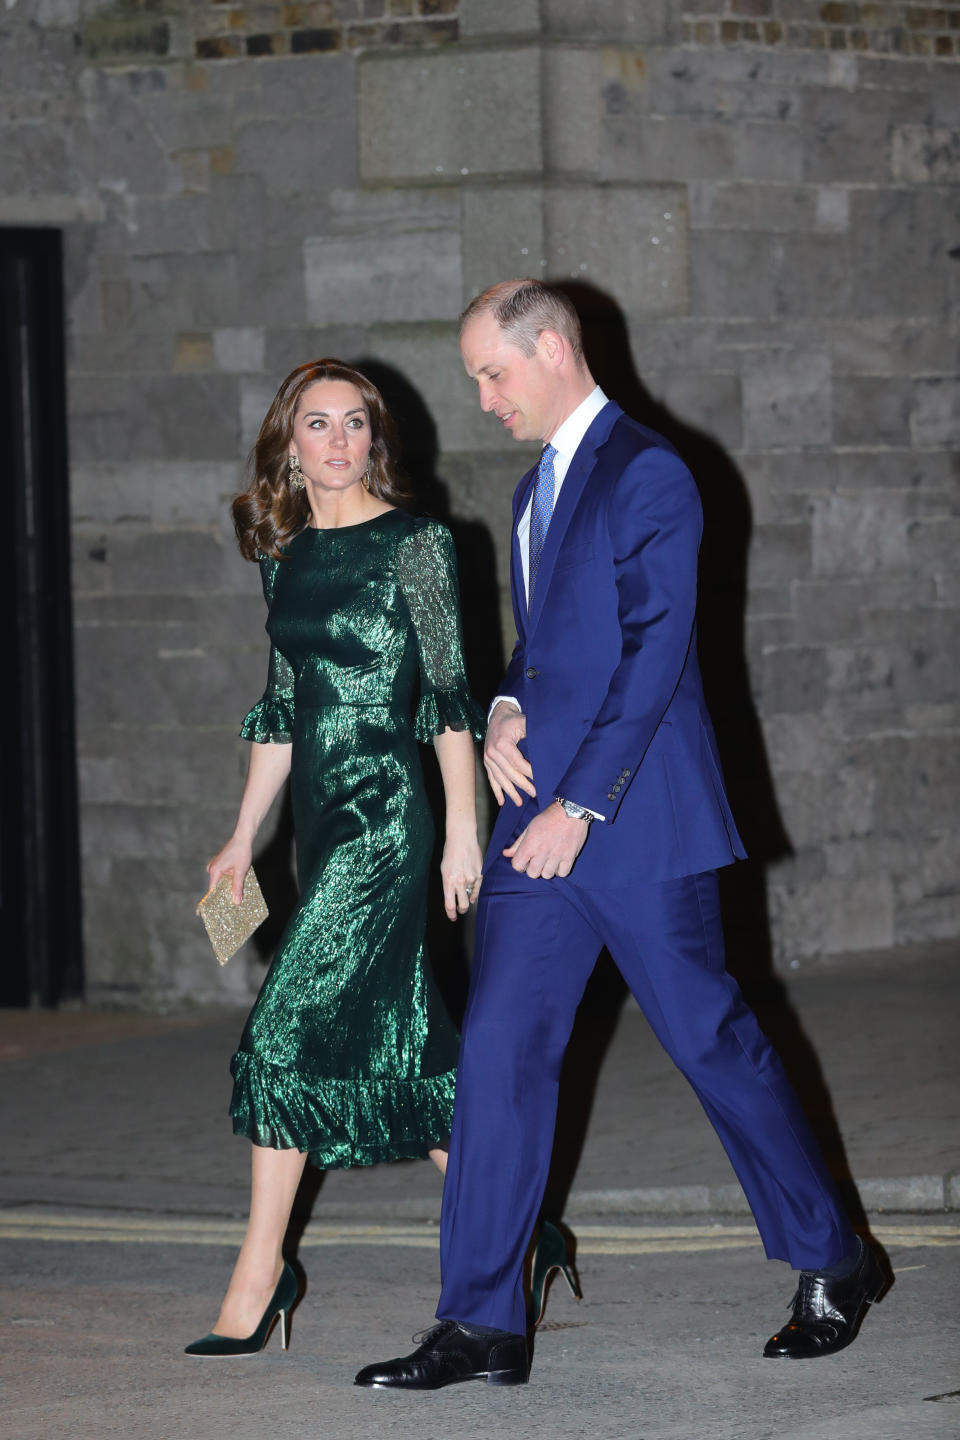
269	512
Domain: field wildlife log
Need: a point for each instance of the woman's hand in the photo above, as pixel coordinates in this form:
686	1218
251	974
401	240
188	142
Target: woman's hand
268	768
236	855
462	860
460	872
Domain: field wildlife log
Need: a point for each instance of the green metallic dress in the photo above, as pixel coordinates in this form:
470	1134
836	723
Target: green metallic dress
348	1052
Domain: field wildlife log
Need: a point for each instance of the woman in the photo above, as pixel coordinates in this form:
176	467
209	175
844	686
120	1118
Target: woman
348	1057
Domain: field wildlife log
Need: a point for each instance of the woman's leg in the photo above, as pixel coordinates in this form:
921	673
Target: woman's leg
439	1158
275	1176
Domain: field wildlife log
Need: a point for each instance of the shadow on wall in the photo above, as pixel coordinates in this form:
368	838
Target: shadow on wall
720	626
448	944
476	554
724	558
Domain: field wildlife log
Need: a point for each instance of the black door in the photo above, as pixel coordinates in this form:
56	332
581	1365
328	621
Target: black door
40	935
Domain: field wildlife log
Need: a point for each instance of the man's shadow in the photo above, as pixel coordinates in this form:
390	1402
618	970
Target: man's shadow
721	612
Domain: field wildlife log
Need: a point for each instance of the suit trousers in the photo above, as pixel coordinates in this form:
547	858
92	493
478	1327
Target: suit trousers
537	943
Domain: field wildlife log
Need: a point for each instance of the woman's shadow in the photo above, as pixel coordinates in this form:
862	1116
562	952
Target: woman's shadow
723	576
449	945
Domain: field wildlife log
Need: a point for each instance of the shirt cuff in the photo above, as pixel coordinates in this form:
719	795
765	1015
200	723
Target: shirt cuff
508	699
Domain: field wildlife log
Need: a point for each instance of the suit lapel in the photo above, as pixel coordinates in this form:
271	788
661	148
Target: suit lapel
575	482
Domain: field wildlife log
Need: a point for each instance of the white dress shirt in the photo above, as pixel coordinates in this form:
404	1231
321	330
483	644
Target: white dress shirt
566	442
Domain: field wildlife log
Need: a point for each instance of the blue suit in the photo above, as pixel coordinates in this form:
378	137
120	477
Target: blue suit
605	670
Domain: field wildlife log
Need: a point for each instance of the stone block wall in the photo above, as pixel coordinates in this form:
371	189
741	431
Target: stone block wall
757	205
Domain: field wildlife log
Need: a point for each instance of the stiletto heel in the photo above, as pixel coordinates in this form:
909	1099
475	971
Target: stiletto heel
281	1303
550	1255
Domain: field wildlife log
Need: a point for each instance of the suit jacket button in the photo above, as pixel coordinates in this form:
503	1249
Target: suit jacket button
531	673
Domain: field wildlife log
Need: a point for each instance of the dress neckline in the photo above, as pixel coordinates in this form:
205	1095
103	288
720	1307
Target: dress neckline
358	525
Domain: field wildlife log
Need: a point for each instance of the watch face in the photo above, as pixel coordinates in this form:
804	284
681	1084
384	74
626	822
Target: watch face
576	812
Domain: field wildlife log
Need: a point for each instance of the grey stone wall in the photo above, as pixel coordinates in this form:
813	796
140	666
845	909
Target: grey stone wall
761	222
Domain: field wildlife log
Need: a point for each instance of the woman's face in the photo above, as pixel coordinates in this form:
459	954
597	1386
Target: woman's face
331	435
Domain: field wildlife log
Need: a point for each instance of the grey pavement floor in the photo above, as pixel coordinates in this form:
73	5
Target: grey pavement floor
122	1194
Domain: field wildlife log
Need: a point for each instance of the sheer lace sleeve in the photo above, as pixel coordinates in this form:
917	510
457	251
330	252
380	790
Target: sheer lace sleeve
428	578
270	722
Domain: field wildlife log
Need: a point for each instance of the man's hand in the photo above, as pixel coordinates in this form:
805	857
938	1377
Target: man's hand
549	845
506	768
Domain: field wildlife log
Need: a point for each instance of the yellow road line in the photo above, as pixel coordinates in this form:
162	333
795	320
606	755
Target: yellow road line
591	1239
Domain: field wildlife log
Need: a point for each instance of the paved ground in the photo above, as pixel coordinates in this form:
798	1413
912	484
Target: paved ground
665	1344
122	1194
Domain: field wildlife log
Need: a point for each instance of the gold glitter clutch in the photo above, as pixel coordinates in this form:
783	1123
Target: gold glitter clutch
228	925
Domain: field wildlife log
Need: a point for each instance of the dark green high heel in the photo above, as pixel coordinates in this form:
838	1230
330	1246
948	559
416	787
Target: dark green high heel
550	1255
281	1304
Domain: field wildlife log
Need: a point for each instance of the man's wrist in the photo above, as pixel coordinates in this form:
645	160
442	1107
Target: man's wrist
503	700
575	811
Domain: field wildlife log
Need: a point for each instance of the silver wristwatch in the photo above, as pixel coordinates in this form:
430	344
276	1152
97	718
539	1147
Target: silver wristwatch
576	812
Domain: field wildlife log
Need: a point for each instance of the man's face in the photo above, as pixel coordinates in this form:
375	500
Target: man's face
521	390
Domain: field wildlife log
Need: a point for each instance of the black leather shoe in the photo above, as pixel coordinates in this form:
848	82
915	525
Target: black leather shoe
827	1311
448	1354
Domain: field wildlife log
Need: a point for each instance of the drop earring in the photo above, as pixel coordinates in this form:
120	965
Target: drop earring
297	481
365	479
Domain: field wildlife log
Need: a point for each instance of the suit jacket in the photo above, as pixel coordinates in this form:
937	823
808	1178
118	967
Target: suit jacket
605	666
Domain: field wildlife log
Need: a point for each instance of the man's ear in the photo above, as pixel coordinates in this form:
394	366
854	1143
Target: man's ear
552	346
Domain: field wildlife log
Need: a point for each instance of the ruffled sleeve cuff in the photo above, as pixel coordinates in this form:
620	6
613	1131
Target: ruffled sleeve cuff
270	722
440	710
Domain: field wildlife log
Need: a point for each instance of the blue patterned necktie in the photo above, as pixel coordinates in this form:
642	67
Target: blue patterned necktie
540	513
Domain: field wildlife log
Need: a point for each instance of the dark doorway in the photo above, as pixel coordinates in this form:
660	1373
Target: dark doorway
40	935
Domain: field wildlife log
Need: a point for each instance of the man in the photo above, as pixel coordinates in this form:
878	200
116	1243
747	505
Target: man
613	821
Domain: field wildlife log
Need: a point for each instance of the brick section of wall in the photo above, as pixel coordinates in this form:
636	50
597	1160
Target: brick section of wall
777	232
863	27
133	30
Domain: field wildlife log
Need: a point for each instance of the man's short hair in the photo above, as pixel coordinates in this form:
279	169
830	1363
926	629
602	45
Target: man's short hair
523	309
